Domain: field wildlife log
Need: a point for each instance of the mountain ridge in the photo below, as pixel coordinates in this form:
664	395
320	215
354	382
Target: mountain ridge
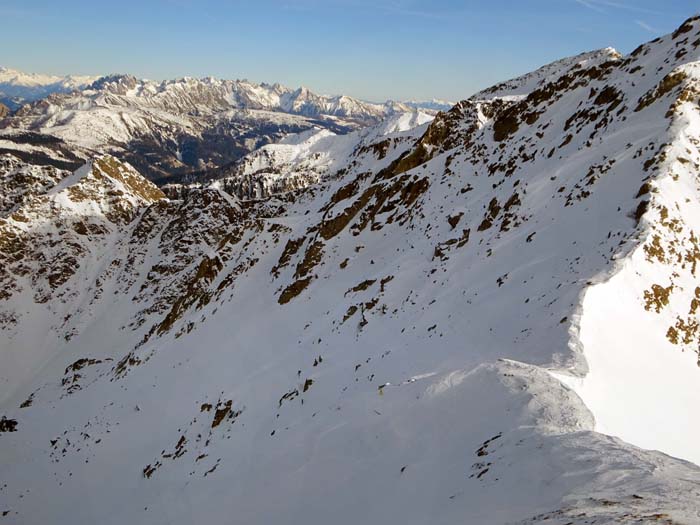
181	127
418	336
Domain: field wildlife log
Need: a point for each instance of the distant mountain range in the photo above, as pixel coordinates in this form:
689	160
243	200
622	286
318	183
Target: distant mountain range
434	104
180	127
18	88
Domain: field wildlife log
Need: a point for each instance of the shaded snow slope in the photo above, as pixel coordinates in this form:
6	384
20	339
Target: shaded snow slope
379	346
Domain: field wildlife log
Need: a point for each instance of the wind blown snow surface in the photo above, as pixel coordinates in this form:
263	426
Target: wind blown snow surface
384	345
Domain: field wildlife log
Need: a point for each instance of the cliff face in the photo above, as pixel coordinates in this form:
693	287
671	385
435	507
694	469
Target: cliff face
392	341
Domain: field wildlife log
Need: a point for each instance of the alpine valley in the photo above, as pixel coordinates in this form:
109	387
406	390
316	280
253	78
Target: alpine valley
176	130
229	302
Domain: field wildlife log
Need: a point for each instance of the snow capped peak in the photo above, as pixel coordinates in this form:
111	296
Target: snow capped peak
17	87
104	82
153	124
19	78
128	117
433	104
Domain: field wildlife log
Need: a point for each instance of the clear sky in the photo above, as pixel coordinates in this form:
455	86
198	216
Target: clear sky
372	49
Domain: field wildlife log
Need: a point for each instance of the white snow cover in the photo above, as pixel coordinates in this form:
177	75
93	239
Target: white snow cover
116	109
308	157
639	387
18	78
17	87
184	125
384	346
522	85
433	104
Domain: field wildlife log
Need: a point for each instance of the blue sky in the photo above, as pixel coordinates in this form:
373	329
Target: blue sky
373	49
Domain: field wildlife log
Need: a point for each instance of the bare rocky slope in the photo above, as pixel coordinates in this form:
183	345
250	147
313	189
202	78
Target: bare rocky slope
432	330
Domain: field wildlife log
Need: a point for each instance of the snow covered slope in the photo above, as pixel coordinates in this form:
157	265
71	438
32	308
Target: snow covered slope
525	84
387	345
307	158
17	88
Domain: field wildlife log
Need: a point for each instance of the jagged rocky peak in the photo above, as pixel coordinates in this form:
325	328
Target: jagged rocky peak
496	273
59	218
118	83
457	125
109	169
21	182
104	187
